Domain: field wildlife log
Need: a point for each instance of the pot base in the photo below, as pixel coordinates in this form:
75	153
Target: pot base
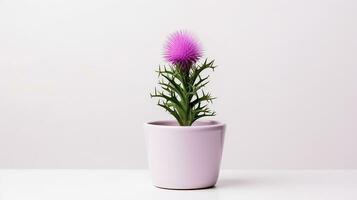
198	188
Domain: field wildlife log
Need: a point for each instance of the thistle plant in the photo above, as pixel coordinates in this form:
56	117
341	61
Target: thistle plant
182	82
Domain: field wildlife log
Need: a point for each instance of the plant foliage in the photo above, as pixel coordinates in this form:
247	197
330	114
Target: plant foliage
182	93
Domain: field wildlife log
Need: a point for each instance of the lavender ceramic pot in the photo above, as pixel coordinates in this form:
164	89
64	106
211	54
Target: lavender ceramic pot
184	157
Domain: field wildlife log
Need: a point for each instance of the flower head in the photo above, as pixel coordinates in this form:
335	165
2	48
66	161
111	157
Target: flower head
182	49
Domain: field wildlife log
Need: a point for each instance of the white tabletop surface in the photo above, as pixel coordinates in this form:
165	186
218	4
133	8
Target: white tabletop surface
136	184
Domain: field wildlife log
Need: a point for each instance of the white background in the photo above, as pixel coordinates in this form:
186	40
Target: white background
75	78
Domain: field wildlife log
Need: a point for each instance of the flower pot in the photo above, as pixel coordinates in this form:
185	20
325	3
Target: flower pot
184	157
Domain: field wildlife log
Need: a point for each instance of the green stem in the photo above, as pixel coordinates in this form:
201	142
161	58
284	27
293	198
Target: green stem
186	101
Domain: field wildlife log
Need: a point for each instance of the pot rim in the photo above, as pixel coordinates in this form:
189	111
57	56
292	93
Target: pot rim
202	124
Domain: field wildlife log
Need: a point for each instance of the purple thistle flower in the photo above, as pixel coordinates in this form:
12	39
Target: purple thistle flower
182	49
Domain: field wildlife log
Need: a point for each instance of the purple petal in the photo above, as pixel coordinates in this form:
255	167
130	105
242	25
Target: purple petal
182	49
